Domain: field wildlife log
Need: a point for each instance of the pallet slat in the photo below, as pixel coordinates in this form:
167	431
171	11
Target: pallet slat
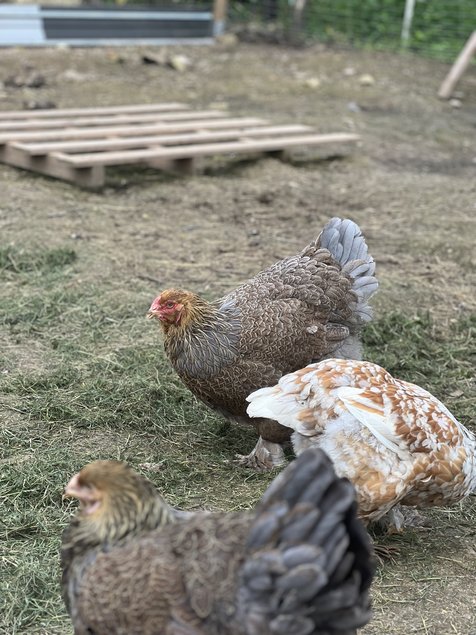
191	151
124	131
198	136
100	110
33	124
92	177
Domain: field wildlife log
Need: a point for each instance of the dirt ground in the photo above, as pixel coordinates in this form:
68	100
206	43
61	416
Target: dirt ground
410	184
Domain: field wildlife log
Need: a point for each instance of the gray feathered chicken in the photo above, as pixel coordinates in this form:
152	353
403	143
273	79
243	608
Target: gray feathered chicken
299	564
301	310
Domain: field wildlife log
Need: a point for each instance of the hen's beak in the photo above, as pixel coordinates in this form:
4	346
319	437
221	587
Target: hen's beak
73	488
89	498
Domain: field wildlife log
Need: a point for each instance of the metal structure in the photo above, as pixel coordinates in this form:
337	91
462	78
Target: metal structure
36	25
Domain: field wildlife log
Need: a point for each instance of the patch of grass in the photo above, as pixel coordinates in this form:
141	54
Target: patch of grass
67	315
44	261
33	312
37	293
130	387
416	350
32	518
105	390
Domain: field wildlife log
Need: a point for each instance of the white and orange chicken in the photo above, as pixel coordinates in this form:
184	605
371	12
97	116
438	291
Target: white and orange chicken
396	442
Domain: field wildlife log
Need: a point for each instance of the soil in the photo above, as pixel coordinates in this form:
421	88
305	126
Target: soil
410	184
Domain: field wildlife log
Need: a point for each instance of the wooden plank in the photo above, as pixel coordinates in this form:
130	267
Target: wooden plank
197	136
89	176
190	151
100	132
93	112
219	16
41	124
458	68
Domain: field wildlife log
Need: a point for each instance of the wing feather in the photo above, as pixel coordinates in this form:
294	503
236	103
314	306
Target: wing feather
373	416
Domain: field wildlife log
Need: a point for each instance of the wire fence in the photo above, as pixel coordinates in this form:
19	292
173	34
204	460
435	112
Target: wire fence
436	28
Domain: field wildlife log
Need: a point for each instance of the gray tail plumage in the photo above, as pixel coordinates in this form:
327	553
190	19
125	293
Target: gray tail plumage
344	240
309	564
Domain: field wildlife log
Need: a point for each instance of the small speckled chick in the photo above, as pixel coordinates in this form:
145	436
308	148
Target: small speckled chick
395	441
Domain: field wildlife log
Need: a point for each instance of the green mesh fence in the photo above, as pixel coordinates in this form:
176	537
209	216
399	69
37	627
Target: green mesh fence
439	28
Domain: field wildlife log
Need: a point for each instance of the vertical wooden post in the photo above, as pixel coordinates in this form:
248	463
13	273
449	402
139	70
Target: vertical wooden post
407	21
458	68
219	16
297	35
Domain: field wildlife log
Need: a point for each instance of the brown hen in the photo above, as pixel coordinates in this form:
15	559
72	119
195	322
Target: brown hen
302	309
299	564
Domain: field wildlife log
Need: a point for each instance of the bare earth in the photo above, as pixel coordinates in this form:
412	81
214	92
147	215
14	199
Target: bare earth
411	185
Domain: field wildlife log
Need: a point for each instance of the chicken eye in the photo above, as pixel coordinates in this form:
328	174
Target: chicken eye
170	305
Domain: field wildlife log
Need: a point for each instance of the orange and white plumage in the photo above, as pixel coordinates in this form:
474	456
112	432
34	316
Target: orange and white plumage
395	441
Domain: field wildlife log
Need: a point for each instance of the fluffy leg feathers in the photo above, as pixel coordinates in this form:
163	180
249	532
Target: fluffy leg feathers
265	456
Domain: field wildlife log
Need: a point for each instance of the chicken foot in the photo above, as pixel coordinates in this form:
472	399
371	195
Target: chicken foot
394	522
265	456
400	517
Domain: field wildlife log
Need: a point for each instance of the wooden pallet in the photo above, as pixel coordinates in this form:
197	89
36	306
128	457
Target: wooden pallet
78	143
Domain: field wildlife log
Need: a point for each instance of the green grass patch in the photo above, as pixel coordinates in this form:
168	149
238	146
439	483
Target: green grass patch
416	350
44	261
36	294
102	388
439	29
134	386
130	387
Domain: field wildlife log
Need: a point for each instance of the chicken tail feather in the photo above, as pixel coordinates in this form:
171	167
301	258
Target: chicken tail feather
344	239
309	563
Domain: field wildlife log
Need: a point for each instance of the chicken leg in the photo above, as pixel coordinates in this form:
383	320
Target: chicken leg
268	452
265	456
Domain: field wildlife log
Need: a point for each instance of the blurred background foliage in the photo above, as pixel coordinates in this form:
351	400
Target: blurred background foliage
439	28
